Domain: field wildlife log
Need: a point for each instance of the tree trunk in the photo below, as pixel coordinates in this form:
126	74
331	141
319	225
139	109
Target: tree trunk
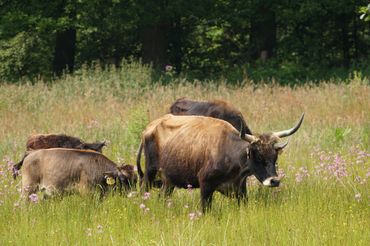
155	44
343	26
176	44
65	48
355	37
263	33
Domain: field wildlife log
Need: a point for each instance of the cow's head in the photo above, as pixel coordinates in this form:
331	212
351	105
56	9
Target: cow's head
98	146
123	178
128	176
263	153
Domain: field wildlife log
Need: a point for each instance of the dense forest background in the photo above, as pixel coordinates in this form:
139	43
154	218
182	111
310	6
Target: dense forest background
289	40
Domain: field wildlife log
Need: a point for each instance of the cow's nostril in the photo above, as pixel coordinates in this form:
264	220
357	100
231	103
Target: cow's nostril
275	182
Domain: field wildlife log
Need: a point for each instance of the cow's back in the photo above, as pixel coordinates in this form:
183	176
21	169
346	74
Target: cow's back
46	141
217	109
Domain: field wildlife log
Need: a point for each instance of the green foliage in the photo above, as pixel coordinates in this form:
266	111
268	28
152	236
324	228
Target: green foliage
365	12
22	55
341	133
202	40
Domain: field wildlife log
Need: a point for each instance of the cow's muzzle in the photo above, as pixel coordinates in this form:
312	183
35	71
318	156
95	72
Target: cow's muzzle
271	182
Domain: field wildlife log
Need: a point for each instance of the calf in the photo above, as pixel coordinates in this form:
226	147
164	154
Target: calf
60	170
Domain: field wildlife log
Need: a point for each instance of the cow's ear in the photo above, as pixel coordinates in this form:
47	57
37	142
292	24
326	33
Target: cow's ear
125	173
110	178
124	170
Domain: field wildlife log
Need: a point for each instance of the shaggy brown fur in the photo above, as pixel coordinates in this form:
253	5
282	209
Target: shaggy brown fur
59	170
216	109
47	141
205	152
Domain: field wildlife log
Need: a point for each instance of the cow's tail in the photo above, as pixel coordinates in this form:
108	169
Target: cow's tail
16	167
138	159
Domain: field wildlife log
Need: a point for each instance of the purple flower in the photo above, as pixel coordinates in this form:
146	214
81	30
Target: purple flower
301	174
168	68
33	198
367	174
142	206
281	173
146	196
194	215
9	163
189	186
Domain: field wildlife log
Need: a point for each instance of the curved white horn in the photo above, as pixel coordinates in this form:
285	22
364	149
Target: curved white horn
280	145
290	131
250	138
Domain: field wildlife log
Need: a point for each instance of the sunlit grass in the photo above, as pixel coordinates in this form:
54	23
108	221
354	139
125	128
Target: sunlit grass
312	207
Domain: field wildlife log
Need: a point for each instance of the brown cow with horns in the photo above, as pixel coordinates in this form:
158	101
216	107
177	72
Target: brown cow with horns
209	154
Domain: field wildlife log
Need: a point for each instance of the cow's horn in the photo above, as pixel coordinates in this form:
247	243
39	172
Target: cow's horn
250	138
290	131
280	145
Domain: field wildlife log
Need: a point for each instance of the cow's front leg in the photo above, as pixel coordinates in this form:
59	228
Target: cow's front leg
241	193
206	193
167	187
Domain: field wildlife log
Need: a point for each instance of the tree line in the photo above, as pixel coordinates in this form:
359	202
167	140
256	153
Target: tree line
202	38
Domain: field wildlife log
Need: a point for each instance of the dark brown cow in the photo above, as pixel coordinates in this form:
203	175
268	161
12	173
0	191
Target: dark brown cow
60	170
47	141
216	109
209	154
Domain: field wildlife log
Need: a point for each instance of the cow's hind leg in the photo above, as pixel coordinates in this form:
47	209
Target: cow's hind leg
151	164
28	187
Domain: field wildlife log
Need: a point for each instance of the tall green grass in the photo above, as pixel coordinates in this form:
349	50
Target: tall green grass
312	207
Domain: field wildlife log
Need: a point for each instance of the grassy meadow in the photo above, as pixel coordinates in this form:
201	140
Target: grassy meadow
324	198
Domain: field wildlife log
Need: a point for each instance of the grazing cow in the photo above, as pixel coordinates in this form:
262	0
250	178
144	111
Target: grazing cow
215	109
60	170
209	154
47	141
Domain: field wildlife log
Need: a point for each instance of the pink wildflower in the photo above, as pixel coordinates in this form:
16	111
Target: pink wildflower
194	215
168	68
146	196
33	198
